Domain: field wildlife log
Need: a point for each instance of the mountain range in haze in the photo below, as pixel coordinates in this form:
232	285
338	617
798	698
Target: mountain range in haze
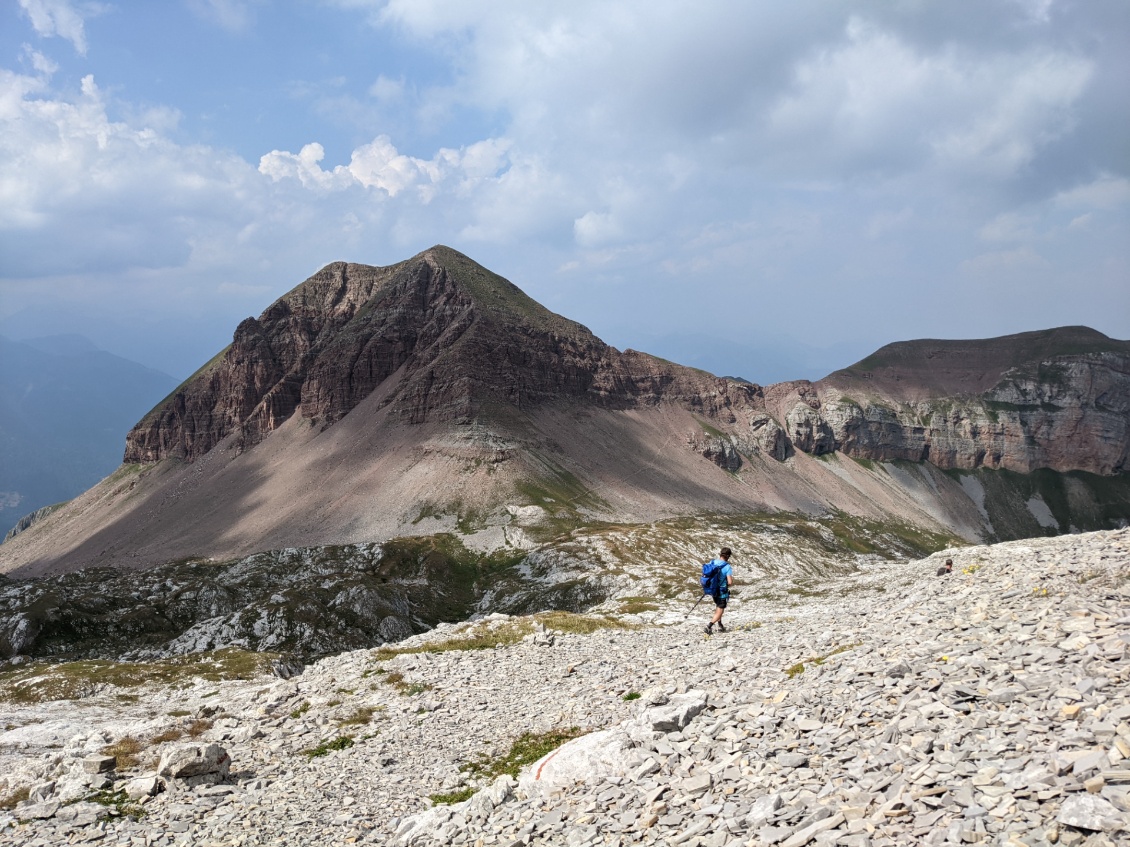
433	396
65	406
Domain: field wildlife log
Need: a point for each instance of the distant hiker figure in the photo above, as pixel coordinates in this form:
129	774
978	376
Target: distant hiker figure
717	577
946	569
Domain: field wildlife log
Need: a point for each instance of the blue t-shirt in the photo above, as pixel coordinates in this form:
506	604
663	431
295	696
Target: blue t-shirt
723	584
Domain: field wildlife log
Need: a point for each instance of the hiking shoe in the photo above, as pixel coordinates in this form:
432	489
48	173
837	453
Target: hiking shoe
721	626
708	629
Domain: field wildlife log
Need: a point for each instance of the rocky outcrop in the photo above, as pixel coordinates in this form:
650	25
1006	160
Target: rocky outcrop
195	764
1061	400
300	602
30	520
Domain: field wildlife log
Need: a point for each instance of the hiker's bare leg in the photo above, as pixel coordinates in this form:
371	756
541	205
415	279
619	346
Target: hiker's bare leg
718	610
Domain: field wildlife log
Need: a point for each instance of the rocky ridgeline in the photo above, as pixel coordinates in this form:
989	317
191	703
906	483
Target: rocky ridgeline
990	706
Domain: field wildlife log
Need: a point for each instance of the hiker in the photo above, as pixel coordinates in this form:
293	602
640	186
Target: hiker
721	589
946	569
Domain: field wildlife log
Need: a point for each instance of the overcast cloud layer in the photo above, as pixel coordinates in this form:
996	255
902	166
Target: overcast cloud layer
763	189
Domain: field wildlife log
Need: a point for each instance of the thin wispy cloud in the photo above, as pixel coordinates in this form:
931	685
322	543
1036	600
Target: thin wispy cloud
62	18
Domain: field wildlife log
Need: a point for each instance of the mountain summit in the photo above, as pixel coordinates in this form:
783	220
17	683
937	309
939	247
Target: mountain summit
433	396
439	336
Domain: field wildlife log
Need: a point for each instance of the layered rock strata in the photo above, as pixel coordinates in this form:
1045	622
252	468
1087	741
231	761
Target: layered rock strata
453	338
1055	399
446	340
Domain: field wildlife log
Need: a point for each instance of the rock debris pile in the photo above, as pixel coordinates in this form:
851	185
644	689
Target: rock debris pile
990	706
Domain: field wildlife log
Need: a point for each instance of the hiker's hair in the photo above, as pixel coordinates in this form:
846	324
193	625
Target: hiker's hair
726	553
949	561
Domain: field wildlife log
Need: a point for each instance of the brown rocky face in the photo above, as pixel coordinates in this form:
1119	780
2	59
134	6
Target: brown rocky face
454	337
1057	399
448	340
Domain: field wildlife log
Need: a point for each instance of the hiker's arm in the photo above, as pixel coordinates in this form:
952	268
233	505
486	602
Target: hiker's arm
729	580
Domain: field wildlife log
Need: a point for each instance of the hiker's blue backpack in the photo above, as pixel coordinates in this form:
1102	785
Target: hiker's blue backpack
711	579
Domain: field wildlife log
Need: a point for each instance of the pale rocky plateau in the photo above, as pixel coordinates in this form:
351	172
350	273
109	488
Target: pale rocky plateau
888	706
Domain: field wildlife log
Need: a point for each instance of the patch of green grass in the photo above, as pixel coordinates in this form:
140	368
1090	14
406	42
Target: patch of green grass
710	430
360	717
631	695
471	521
342	742
179	713
865	463
635	605
796	670
428	510
526	750
581	624
118	801
485	639
300	711
802	591
125	752
408	689
40	682
450	797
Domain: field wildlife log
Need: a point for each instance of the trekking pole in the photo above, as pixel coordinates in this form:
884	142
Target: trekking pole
695	606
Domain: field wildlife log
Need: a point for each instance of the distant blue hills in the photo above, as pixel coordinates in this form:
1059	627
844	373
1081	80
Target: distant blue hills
65	409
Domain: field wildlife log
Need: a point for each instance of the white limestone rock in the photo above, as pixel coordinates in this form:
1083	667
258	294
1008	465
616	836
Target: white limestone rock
195	764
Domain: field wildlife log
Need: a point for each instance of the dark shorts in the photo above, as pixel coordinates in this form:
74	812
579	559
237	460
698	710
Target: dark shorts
720	600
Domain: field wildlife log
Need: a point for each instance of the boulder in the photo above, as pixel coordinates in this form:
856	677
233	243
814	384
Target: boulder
143	786
38	811
588	759
98	764
769	438
671	716
393	628
80	814
1088	811
41	792
195	764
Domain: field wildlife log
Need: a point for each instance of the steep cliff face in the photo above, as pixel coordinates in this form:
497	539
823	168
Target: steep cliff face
452	337
1056	399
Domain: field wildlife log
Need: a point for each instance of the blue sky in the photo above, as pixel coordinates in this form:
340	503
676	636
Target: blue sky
765	189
